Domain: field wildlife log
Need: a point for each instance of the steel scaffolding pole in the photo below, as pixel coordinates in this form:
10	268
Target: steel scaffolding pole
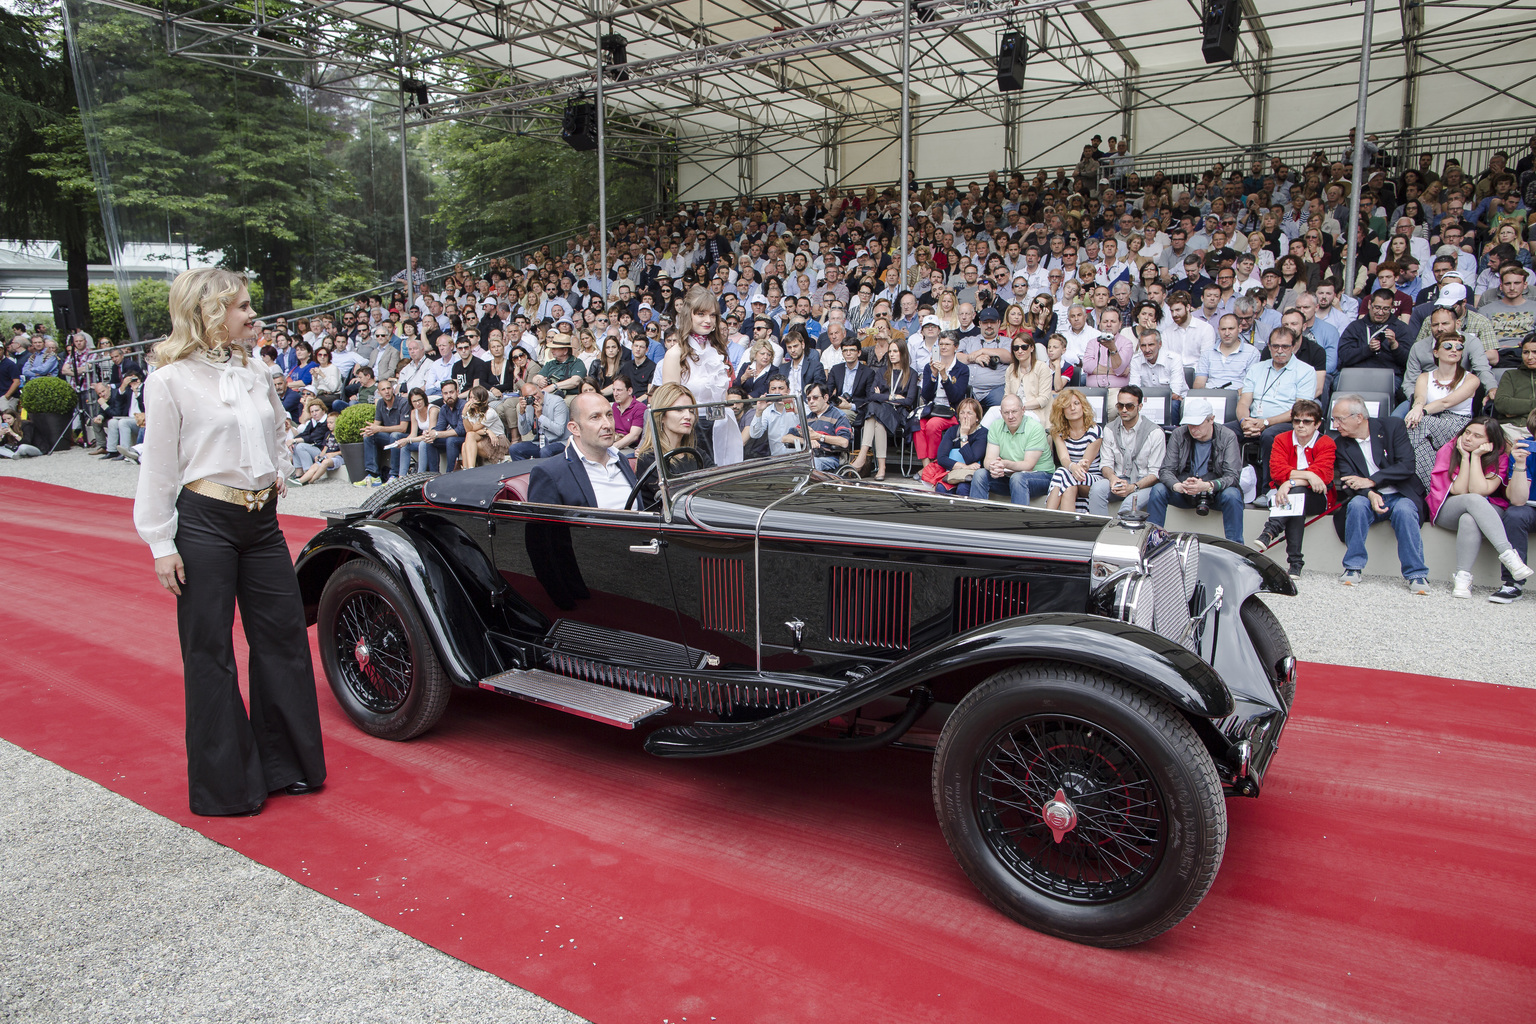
602	177
906	133
1358	174
405	185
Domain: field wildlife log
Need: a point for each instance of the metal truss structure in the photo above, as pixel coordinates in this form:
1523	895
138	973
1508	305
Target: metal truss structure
704	75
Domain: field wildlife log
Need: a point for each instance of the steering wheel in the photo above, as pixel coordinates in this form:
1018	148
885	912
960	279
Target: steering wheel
634	493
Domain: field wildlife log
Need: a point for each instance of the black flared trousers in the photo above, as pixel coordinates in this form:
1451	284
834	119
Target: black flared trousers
233	760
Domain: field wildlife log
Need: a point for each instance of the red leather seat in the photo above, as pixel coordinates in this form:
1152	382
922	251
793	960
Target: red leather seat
514	488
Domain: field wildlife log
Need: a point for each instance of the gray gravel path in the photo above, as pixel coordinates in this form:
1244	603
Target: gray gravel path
113	913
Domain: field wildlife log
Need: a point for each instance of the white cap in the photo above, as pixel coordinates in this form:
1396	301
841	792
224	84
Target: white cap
1450	294
757	297
932	321
1197	410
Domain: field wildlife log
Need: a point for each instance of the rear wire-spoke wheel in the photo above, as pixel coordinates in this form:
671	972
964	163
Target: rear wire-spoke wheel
1078	805
377	655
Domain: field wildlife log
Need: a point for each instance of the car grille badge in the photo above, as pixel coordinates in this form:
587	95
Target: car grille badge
1060	816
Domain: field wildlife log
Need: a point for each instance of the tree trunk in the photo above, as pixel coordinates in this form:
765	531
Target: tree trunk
277	278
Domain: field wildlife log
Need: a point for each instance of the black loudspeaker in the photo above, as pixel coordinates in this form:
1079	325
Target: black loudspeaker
69	306
579	128
1012	51
615	56
1219	30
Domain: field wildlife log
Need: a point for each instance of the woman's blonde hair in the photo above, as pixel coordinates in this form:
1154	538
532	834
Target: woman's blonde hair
665	397
1059	412
199	304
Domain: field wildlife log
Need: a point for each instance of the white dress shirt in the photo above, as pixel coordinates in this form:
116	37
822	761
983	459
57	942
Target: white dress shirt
609	485
1167	372
1189	342
205	421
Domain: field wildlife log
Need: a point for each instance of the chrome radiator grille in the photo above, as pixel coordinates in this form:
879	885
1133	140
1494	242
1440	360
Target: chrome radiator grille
1170	595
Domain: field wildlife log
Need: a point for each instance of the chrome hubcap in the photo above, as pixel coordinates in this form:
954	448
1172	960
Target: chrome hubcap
363	655
1059	815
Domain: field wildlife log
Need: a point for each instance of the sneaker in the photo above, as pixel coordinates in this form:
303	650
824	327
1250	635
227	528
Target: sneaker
1510	559
294	481
1261	501
128	453
1350	578
367	481
1294	572
1418	585
1266	537
1462	585
1507	594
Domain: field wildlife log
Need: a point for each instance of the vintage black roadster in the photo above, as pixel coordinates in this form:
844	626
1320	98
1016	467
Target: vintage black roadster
1090	689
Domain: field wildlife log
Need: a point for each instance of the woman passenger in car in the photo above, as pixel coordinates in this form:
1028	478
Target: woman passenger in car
676	431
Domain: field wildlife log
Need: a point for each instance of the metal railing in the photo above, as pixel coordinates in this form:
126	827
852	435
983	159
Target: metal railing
471	264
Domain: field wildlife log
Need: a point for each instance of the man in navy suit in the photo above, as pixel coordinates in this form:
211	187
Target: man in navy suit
850	382
590	472
1373	471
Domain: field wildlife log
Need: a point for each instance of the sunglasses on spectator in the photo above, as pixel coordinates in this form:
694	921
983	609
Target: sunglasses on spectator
1452	346
1125	405
1308	422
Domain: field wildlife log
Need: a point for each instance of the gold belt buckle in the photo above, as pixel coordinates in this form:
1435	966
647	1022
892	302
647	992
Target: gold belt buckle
255	501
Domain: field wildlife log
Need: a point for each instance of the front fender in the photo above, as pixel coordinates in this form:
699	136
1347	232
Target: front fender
1137	656
421	572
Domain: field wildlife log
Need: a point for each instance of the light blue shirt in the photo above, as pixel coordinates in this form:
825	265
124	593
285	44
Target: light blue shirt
1275	390
1327	336
1224	371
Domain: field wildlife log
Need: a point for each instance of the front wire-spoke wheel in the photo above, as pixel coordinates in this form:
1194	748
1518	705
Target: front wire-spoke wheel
1080	806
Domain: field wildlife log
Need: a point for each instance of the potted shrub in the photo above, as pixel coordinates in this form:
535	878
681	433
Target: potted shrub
49	403
349	434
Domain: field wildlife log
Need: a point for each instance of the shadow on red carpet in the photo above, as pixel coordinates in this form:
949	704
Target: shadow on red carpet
1386	874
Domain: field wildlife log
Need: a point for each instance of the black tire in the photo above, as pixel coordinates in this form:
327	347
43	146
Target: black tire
1271	643
394	687
1148	824
383	495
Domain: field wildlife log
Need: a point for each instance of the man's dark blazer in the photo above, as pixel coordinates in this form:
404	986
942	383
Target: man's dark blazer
863	381
1393	453
810	372
563	480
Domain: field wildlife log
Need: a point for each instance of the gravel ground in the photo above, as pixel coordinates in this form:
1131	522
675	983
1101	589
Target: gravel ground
92	883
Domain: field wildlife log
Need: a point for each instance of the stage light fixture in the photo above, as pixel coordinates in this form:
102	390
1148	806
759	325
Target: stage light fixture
615	56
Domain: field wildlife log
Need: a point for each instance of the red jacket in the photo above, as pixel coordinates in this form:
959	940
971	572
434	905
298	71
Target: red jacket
1282	458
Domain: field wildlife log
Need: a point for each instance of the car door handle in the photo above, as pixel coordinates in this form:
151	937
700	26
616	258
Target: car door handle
653	548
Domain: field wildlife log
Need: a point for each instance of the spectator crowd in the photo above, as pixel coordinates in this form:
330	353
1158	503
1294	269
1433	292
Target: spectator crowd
1086	339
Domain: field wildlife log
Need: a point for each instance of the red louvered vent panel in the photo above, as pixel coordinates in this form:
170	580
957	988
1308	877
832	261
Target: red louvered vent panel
980	600
870	607
722	584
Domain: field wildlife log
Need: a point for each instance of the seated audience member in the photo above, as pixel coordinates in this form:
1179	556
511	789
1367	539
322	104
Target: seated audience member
1442	404
892	402
1516	398
392	414
1520	516
16	437
640	366
1467	494
848	384
544	415
1302	459
628	414
1425	355
1153	366
773	419
759	370
1076	440
1130	457
961	452
1377	340
1375	479
328	459
423	417
588	472
1226	364
485	437
310	437
1107	359
1018	452
291	399
801	367
831	433
945	381
1200	469
445	438
1270	390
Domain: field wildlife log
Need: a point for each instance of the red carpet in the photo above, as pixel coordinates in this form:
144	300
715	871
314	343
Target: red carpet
1386	874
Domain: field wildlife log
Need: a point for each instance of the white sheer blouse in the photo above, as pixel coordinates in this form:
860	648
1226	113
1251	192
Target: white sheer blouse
205	420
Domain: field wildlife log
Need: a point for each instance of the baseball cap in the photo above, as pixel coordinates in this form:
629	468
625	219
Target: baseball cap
1450	294
932	321
1197	410
990	313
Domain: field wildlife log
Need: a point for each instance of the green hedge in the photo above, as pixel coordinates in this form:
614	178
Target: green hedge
350	423
42	395
151	310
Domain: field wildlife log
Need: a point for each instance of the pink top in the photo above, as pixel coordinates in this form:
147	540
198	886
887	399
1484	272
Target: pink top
1448	465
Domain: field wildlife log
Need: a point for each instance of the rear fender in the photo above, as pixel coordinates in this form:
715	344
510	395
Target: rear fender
422	572
1136	656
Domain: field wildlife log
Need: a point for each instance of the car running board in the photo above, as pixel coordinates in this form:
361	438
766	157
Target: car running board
576	696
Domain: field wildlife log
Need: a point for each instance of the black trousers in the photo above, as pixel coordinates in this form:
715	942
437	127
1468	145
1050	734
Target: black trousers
234	760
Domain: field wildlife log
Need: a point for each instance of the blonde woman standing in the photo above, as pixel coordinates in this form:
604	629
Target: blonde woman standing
213	466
